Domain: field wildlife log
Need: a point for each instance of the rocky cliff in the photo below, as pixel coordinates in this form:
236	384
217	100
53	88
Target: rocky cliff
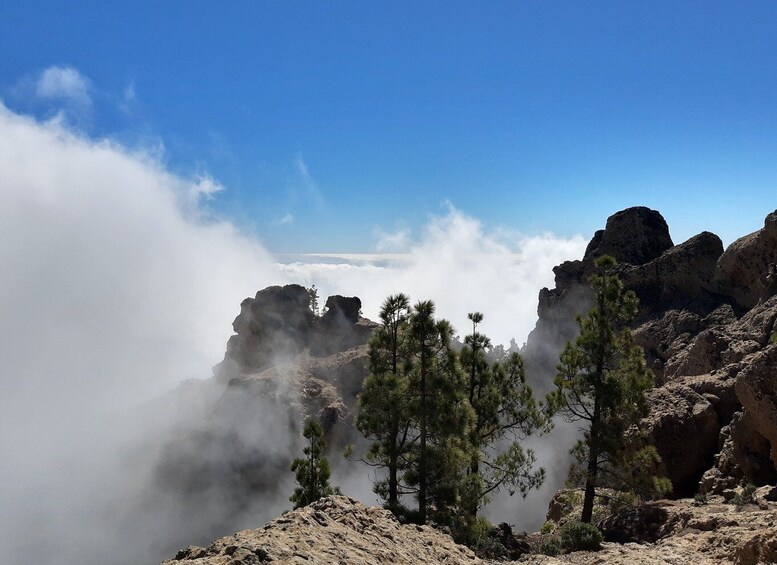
707	325
285	363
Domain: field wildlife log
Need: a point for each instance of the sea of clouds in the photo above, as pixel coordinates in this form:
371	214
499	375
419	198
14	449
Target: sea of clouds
117	284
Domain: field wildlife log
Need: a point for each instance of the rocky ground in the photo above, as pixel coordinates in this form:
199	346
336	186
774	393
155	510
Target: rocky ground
336	529
341	530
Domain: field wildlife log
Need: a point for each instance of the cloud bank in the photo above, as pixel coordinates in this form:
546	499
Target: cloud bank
460	265
117	285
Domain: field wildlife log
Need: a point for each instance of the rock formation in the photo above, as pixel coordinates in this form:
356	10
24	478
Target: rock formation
335	529
285	364
706	320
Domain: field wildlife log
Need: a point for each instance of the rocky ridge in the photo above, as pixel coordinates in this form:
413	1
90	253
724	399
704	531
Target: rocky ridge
335	529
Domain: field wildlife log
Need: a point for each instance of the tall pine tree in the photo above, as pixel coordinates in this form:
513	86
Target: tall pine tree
439	410
602	379
505	413
384	403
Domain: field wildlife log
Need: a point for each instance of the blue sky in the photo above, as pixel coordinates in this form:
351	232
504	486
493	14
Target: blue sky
329	123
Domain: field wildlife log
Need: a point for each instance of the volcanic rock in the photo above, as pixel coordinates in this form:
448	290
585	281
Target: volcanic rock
335	529
635	236
747	271
706	320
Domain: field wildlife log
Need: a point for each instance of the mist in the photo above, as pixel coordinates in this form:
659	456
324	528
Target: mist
118	285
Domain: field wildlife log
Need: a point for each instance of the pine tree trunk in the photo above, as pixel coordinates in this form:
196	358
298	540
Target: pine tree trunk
422	462
590	484
593	453
393	483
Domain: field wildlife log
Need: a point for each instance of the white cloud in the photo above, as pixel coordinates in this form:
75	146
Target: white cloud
113	290
394	242
285	220
129	99
64	84
462	267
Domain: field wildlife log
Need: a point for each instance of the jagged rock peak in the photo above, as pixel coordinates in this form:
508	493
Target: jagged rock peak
634	235
279	323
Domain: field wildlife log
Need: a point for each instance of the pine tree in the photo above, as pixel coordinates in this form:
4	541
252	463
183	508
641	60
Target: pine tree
313	300
504	409
601	380
439	409
384	410
312	472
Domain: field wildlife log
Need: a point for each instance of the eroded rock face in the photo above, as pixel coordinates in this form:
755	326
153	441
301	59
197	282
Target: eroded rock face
747	271
678	413
706	319
284	365
279	324
756	388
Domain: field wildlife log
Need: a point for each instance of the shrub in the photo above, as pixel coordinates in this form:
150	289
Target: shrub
404	514
490	547
481	536
547	528
550	547
580	536
745	496
700	499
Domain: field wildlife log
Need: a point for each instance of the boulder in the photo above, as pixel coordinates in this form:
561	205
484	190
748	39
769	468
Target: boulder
635	236
747	270
678	413
756	389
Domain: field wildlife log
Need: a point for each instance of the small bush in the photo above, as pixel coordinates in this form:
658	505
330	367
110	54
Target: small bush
547	528
773	338
580	536
550	547
746	496
490	547
404	514
700	499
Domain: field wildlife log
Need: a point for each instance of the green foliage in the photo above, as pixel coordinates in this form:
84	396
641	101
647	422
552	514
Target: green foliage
312	472
433	416
385	415
550	547
440	413
580	536
773	337
313	300
504	409
700	499
745	496
547	528
601	380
